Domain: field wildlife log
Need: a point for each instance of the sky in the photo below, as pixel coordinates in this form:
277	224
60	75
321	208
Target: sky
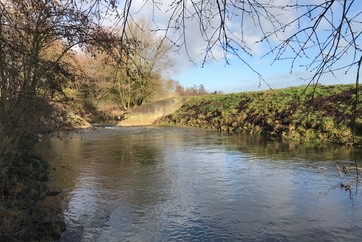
236	76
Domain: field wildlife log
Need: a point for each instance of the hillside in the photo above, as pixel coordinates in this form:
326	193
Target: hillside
313	114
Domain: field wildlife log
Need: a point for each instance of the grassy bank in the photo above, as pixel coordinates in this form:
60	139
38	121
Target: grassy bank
313	114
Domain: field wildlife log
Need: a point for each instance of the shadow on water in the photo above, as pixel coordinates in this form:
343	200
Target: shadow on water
167	183
284	150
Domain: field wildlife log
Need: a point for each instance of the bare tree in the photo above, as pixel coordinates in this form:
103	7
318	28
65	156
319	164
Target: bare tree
138	64
37	40
320	36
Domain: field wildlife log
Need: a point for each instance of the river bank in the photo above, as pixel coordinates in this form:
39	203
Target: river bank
321	114
23	185
313	115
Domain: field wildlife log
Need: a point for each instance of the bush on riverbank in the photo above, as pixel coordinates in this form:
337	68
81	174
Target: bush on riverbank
313	114
23	174
23	179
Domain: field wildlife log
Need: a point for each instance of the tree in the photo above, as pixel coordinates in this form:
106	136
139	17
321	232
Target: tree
37	41
138	65
201	90
320	36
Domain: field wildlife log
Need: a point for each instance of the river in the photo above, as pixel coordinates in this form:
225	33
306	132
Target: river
185	184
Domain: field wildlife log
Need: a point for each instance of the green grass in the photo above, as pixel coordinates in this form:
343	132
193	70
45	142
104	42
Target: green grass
313	114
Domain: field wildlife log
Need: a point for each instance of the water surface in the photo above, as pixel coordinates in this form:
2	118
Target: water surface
181	184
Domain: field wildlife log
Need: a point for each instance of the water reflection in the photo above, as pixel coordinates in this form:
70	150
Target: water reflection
162	184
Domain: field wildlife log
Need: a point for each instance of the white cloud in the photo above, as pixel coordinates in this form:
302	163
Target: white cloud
189	44
245	30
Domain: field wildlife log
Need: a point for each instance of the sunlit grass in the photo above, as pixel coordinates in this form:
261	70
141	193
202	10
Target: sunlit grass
303	114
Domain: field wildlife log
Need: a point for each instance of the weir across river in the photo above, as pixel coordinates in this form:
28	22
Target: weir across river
149	112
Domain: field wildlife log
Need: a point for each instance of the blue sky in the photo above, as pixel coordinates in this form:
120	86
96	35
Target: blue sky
237	77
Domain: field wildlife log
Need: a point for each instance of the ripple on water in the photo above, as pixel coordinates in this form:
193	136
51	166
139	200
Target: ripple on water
172	184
